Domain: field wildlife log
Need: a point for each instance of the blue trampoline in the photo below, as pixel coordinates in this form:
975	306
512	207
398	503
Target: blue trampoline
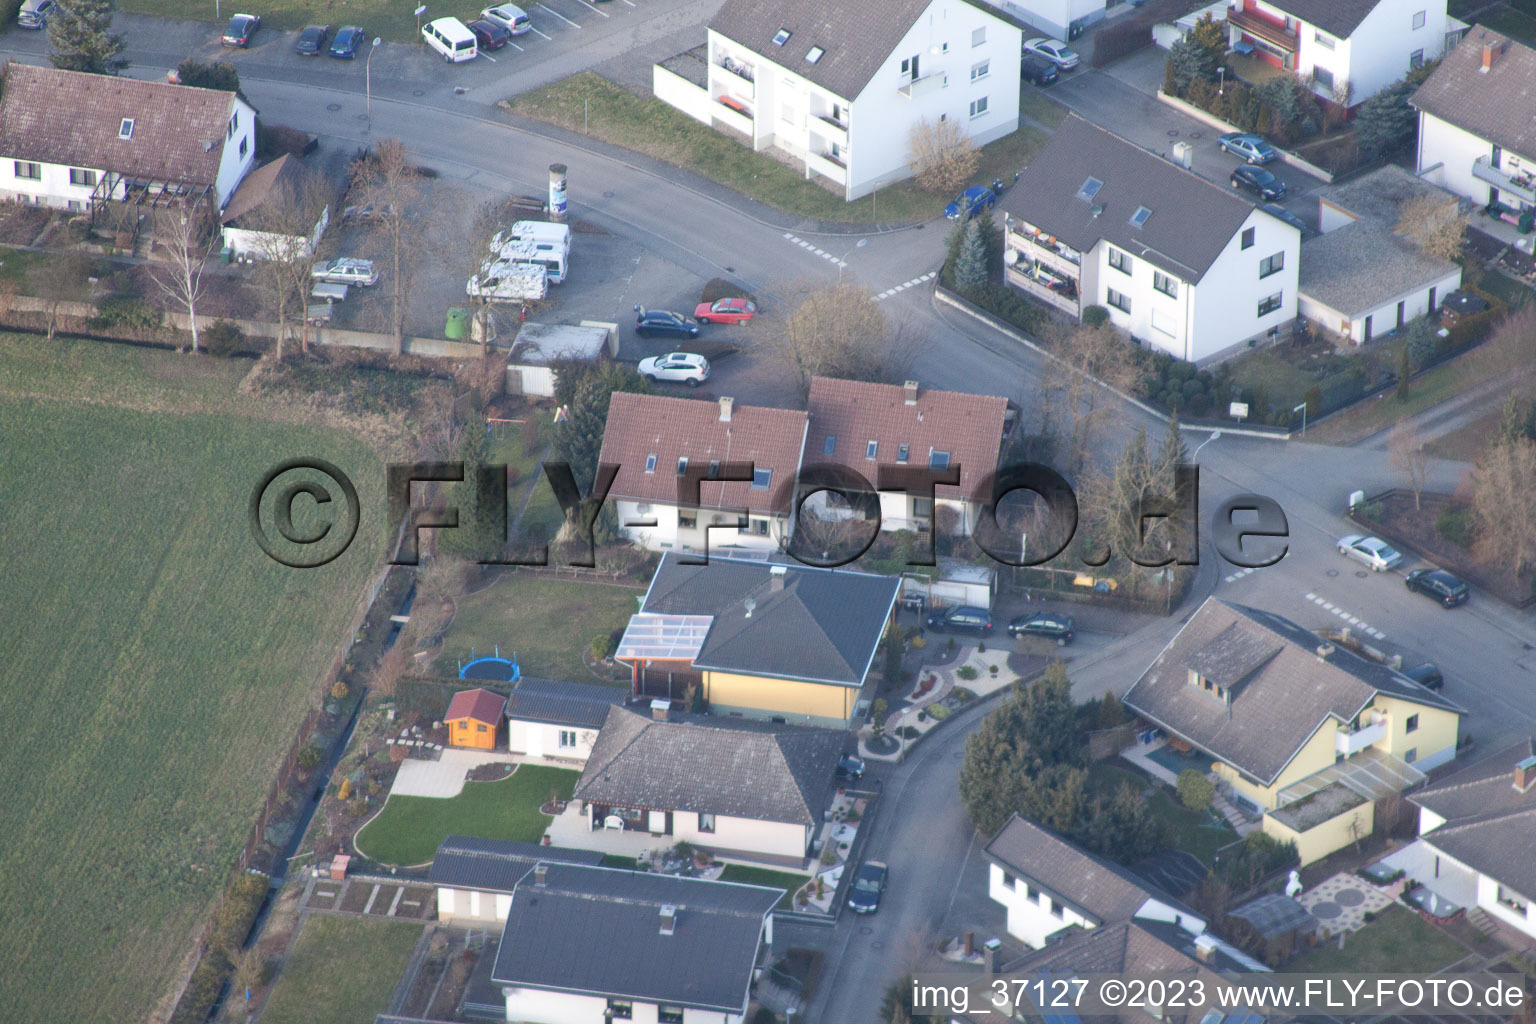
492	667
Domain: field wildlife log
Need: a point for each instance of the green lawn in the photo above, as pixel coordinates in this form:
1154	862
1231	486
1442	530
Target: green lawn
156	662
1041	107
588	102
1190	831
548	622
1285	384
789	881
342	970
410	828
1398	941
388	19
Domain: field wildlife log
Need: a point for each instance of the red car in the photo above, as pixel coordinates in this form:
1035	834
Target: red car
725	311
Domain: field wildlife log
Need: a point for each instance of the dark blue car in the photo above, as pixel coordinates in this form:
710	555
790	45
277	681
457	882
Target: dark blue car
970	202
348	41
312	41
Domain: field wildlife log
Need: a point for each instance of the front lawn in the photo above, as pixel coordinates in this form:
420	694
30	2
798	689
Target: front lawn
410	828
789	881
1398	941
1194	832
1041	107
342	970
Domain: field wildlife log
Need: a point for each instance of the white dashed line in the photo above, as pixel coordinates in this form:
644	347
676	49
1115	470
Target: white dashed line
906	284
808	247
1355	622
1239	575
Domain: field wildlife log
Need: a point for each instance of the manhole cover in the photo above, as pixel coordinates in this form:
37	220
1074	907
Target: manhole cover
418	92
866	930
1172	132
1331	573
607	195
877	945
459	90
730	270
1361	574
333	107
1349	898
1197	135
1326	910
362	117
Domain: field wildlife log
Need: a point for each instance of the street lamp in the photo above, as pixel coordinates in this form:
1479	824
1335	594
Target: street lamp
859	245
419	12
368	78
1214	435
1221	81
1302	408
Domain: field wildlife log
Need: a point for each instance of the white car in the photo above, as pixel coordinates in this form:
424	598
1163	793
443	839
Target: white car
687	367
510	17
345	271
1371	551
1053	50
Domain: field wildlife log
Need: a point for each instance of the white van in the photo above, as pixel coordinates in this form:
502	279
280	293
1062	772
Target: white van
451	38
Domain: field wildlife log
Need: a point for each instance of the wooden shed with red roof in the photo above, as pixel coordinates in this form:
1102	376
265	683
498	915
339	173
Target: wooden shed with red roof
473	719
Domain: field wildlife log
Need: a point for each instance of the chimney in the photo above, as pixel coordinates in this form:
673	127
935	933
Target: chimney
1205	948
1324	650
989	951
776	578
725	408
661	710
1491	53
970	944
668	919
540	874
1525	774
909	391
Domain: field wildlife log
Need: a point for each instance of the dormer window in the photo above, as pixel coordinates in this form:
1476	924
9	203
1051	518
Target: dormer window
125	129
814	54
781	37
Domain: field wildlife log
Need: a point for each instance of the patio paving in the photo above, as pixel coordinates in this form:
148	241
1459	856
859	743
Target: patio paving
443	778
1341	902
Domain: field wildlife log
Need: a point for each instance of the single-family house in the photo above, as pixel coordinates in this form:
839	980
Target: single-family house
556	719
76	141
1475	831
662	445
475	877
834	87
591	945
474	719
1347	50
246	222
734	786
1476	135
864	426
1185	266
1303	732
789	643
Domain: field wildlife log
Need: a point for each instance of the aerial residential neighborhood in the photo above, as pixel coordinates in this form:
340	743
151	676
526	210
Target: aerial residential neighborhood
762	512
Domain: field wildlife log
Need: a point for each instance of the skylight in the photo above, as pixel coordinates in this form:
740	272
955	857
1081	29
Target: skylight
1089	190
782	37
814	55
1139	218
125	130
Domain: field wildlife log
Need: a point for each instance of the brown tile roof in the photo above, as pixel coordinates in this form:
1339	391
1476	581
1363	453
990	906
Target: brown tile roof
258	185
1483	790
1495	106
479	705
969	427
640	426
72	118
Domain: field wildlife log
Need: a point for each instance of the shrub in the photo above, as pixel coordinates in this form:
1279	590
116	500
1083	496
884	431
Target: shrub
967	672
981	647
223	338
602	646
1455	525
345	792
962	694
829	856
238	910
202	989
720	288
274	140
340	690
1196	790
308	758
1095	316
125	313
908	732
1371	510
1314	400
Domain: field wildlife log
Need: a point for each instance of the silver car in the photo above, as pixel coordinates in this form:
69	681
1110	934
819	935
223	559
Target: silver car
510	17
34	13
345	271
1373	552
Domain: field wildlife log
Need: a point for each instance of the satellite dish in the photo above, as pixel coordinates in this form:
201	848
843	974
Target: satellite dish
1010	257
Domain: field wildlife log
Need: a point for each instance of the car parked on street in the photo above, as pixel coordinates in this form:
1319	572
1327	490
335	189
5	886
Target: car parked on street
346	270
242	27
1283	215
34	13
961	619
312	41
725	311
850	766
510	17
1426	675
348	41
367	211
970	202
868	884
1373	552
1251	148
665	323
1258	181
1053	50
683	367
1038	70
1444	587
489	35
1049	625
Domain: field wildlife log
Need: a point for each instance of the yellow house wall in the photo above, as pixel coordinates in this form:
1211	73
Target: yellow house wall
1315	755
1333	834
1436	731
819	699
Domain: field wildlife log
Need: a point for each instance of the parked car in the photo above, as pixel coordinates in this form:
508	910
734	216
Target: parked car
1044	624
367	211
850	766
1426	675
1258	181
348	41
961	619
970	202
312	40
688	367
1053	50
489	35
510	17
1038	70
34	13
241	28
1280	213
664	322
1371	551
725	311
868	884
1444	587
1252	148
346	270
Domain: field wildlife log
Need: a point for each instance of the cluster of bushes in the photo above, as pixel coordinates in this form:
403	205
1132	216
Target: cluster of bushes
125	313
974	270
1178	386
1257	856
231	924
1456	526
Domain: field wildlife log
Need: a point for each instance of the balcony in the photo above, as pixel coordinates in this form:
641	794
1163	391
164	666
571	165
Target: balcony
828	166
1523	186
1057	292
1260	27
917	88
1036	245
832	129
740	69
733	114
1349	742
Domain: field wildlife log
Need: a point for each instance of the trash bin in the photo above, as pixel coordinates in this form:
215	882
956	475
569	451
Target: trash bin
227	254
457	326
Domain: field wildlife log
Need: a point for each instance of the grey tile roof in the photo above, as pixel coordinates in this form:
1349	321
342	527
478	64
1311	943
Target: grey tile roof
495	865
822	625
1482	790
598	931
1361	266
1192	220
1273	915
1336	17
1125	947
1381	194
732	766
1495	106
1280	706
1497	847
858	36
1229	657
556	702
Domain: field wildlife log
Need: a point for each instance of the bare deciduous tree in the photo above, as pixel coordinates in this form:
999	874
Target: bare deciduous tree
1089	360
60	280
387	180
840	331
491	216
1433	225
283	237
1406	454
182	235
942	155
1504	501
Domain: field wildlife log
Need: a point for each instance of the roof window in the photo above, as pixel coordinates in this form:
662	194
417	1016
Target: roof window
814	55
1090	188
1139	218
781	36
125	130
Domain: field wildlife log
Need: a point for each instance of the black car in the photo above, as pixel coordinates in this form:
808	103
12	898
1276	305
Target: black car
868	884
850	766
963	619
1258	181
348	41
1045	624
312	40
489	35
1438	584
665	323
241	28
1426	675
1038	70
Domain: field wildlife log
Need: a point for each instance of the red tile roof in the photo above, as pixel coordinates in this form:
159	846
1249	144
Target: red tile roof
642	426
969	427
477	704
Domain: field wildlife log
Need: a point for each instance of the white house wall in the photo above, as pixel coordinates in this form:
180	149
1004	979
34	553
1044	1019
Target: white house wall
542	739
540	1007
239	153
51	188
668	532
1488	899
1383	322
1225	307
1446	156
1053	17
1379	50
1029	921
472	905
774	838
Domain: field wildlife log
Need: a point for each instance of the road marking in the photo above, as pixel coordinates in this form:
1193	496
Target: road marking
537	32
489	57
1358	623
557	14
1239	575
514	46
808	247
906	284
594	10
